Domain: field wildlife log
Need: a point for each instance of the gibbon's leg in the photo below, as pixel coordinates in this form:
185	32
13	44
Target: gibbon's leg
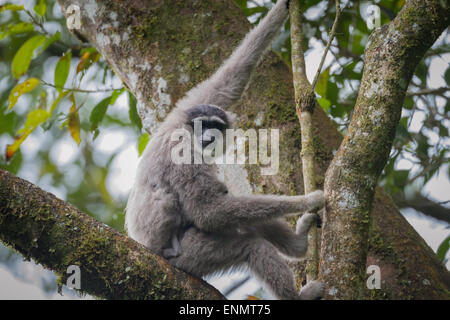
203	254
206	253
269	267
289	243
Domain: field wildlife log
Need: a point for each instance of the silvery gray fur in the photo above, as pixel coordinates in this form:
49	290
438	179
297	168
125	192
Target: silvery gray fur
185	214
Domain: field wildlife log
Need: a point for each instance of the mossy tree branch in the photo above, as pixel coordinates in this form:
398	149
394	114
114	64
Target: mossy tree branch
423	204
113	266
305	105
305	102
393	52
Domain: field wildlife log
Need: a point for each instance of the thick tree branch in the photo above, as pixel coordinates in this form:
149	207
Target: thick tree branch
423	204
390	59
113	266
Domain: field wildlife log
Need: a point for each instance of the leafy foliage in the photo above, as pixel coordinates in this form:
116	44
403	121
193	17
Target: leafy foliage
58	86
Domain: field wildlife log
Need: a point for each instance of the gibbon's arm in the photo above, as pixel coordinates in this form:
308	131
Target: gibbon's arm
226	211
227	84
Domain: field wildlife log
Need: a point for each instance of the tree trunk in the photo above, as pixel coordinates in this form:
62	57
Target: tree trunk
391	56
160	49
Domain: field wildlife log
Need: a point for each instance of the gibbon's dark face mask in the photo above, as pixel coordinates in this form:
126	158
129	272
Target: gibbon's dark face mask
208	122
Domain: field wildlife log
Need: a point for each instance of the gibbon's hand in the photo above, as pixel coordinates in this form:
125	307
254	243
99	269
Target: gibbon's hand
315	200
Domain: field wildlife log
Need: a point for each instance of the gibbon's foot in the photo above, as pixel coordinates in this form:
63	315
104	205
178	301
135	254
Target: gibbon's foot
305	221
314	290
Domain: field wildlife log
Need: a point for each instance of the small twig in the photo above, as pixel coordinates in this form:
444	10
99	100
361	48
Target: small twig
330	40
44	31
438	91
36	22
79	90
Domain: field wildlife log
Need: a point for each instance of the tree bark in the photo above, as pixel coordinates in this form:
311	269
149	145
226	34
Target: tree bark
160	49
305	100
112	266
393	52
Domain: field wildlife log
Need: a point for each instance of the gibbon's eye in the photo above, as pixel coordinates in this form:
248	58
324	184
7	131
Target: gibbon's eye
214	125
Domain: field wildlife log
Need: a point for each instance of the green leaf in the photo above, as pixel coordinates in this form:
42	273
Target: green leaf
447	76
13	165
443	131
322	82
62	70
332	92
16	28
359	42
47	42
40	8
132	112
443	248
20	89
402	132
7	122
11	7
408	103
23	56
89	57
34	119
251	11
241	3
115	95
98	113
401	177
422	71
32	48
74	121
324	103
142	142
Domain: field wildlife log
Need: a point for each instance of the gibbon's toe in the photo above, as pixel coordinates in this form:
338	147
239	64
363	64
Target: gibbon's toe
313	290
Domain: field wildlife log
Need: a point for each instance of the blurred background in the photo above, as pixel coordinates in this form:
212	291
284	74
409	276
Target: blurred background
86	150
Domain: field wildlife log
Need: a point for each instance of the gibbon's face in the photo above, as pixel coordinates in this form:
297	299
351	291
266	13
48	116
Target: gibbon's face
207	122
